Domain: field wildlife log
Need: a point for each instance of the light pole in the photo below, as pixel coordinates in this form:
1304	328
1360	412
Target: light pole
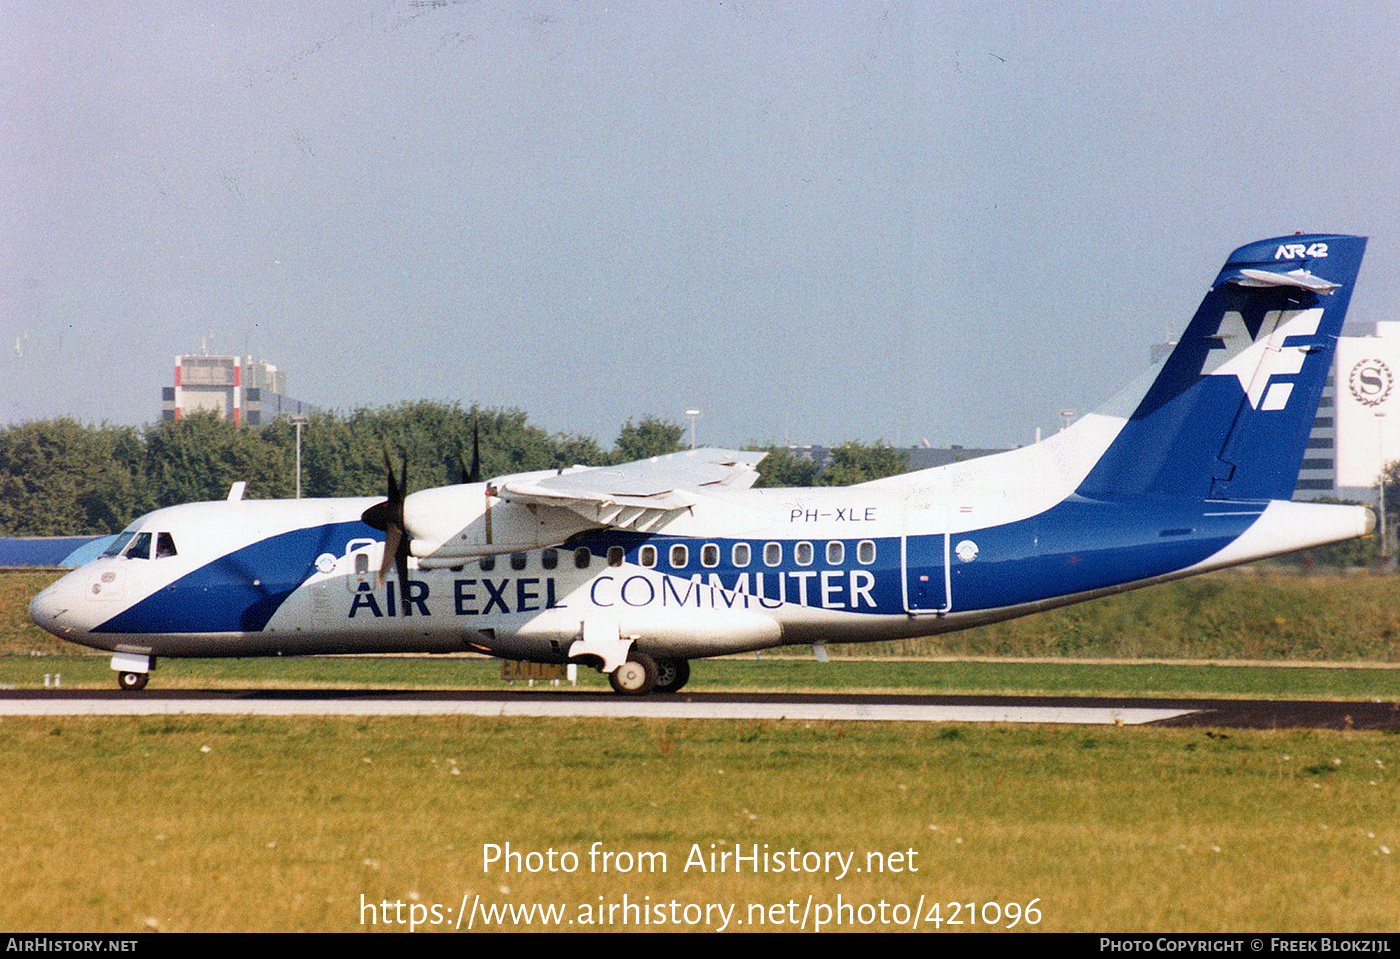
693	414
1380	480
298	420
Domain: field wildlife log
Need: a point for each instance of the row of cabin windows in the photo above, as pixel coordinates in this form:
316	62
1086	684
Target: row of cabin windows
740	555
549	559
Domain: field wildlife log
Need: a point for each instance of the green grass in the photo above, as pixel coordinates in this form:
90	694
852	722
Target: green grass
1247	614
130	824
17	633
200	823
780	674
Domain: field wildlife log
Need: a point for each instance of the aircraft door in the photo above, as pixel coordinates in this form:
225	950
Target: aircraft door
924	556
362	571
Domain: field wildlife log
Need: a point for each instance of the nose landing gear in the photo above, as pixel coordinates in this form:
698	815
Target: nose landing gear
132	681
133	670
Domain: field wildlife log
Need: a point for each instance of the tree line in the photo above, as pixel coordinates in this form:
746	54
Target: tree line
61	477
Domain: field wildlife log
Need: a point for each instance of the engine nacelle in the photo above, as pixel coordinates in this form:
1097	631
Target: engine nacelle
449	524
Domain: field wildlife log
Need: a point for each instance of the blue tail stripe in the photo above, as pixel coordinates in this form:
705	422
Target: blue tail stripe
1221	425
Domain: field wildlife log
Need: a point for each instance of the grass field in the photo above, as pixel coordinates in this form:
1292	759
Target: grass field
190	823
769	673
205	823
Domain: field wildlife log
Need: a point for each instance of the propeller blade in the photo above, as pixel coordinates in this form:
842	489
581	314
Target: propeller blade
395	491
475	475
401	567
388	517
393	536
471	474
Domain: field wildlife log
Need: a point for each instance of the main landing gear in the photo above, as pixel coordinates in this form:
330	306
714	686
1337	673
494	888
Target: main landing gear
642	674
636	676
671	674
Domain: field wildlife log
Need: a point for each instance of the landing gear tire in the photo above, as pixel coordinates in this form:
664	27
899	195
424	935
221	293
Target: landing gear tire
671	674
133	681
636	677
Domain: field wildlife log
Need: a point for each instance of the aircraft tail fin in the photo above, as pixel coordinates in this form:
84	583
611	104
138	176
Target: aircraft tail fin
1229	414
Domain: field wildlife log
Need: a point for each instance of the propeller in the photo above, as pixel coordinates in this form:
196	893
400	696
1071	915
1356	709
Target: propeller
388	517
472	475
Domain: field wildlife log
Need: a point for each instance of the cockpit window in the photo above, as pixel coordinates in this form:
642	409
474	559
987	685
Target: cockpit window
140	547
118	544
165	545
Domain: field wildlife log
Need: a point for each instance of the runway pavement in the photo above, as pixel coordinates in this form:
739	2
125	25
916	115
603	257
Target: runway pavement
1221	713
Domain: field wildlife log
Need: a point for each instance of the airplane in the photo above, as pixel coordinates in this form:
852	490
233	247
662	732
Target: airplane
638	569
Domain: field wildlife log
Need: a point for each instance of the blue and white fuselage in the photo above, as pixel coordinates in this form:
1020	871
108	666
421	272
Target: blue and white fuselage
660	562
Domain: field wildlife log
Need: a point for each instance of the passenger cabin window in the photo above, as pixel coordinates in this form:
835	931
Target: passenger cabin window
835	553
802	554
679	556
361	564
165	545
140	547
647	556
741	555
517	561
772	553
549	558
865	552
709	555
488	563
582	557
616	554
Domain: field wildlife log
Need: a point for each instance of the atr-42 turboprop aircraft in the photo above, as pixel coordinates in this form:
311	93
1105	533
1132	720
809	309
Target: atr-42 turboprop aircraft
638	569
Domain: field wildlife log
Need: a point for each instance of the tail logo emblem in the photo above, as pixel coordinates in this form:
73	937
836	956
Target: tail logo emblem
1256	361
1371	382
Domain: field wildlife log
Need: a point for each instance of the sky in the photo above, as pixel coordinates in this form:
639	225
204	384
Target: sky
815	222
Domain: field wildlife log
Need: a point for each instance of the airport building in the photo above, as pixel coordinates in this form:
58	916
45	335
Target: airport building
235	388
1367	407
1357	428
1318	477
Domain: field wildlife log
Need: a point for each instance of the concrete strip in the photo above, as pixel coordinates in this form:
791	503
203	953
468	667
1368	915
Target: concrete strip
600	708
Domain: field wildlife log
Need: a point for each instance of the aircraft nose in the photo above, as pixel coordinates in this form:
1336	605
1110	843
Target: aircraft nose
57	610
47	609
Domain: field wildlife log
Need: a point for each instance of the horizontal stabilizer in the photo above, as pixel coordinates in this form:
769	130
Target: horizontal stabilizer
1301	279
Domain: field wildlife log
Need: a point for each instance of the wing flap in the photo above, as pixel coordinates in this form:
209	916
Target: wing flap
642	495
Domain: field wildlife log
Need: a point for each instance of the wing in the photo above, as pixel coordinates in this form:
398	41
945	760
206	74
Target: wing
641	495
